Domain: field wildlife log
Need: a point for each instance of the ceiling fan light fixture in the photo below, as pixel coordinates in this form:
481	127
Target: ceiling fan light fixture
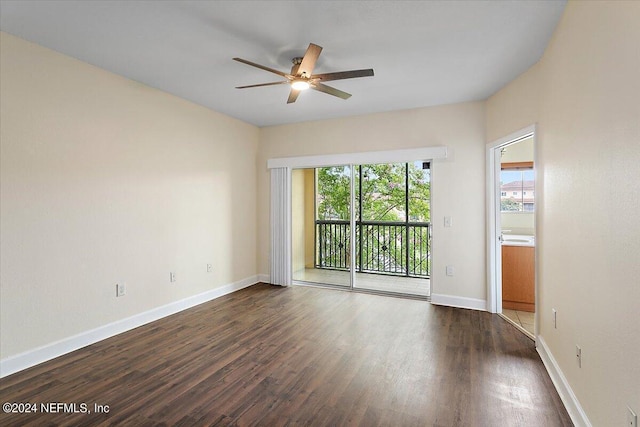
300	85
302	78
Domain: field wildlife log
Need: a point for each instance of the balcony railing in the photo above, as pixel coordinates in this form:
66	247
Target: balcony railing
397	248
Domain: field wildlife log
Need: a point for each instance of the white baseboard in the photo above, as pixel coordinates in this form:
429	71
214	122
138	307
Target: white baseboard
459	302
47	352
569	399
264	278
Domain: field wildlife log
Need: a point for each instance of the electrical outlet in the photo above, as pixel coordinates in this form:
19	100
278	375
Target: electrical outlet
172	276
209	268
121	289
449	270
632	418
579	356
555	318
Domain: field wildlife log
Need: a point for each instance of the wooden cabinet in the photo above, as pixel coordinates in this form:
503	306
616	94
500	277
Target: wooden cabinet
518	278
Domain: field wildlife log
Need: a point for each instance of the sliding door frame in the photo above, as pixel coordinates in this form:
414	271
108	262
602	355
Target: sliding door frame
352	226
349	159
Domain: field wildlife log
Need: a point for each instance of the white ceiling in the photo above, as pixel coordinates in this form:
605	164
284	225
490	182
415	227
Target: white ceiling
423	53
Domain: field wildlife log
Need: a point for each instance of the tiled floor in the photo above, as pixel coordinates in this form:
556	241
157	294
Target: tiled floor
522	318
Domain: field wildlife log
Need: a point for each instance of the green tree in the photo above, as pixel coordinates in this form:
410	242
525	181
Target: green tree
509	205
383	200
384	192
333	192
419	195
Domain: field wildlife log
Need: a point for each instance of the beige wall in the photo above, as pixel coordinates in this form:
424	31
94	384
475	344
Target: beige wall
515	106
309	217
458	181
298	224
106	180
588	237
521	151
302	218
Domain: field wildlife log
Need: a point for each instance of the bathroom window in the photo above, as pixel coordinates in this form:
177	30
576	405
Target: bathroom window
518	182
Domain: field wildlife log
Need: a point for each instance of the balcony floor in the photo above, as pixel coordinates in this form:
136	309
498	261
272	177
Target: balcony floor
368	281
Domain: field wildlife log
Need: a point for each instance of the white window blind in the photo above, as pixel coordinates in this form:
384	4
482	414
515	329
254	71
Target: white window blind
281	226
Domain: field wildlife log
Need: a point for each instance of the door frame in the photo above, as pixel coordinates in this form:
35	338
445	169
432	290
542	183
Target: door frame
494	248
281	249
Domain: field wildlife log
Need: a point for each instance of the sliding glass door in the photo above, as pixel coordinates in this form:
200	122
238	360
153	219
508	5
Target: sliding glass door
393	229
321	205
374	222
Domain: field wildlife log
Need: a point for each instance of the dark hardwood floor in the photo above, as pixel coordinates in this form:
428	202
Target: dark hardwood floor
300	356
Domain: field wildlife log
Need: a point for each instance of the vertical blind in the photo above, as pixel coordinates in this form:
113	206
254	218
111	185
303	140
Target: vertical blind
280	226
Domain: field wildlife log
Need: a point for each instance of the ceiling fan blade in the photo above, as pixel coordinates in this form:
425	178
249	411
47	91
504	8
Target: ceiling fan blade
293	95
262	67
330	90
262	84
309	60
340	75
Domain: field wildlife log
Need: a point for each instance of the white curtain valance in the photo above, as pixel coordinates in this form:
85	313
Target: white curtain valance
365	157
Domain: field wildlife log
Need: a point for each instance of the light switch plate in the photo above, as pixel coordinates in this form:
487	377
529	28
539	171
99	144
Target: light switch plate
121	289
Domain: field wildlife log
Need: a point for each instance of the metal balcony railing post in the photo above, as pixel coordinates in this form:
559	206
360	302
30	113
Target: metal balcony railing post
359	227
406	217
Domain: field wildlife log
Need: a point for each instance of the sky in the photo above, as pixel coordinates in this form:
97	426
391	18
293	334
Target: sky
511	176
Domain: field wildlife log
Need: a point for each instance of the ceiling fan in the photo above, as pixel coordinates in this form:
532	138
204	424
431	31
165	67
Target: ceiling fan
301	77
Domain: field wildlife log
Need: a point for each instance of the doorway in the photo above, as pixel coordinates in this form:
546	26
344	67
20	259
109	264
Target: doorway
511	229
280	210
364	227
